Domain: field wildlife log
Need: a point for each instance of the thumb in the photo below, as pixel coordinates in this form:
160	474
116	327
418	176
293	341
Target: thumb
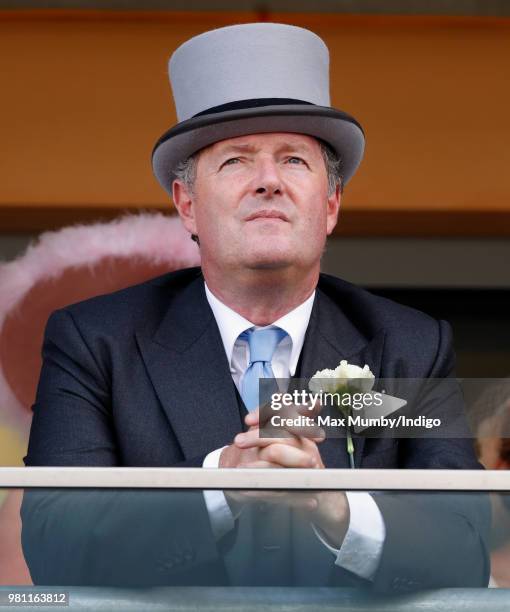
252	418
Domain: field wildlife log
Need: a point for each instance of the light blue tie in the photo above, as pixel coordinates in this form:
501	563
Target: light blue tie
262	343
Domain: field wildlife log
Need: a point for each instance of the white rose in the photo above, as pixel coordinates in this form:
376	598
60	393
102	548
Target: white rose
361	379
323	380
345	374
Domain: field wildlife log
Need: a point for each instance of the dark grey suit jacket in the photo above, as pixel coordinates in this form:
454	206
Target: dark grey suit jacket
140	378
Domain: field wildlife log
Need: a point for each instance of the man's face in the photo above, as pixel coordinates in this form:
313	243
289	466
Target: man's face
260	201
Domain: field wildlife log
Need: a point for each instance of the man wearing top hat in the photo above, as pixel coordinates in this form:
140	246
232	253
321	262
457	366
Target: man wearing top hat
164	373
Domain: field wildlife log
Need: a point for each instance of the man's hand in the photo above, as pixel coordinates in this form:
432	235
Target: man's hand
327	510
250	450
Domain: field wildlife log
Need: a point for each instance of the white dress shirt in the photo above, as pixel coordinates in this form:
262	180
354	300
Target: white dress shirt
361	549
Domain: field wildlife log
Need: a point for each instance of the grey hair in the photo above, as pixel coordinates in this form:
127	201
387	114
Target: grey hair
333	167
186	170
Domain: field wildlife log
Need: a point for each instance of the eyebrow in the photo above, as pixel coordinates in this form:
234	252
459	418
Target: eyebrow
241	148
247	148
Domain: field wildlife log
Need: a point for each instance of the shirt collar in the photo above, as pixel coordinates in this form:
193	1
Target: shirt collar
231	324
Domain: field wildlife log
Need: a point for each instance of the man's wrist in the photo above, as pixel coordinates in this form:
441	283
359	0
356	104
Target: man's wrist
332	517
212	460
236	506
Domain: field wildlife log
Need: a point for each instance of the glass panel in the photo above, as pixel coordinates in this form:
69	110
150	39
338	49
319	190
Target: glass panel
387	541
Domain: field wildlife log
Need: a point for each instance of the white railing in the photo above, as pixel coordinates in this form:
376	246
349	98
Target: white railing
200	478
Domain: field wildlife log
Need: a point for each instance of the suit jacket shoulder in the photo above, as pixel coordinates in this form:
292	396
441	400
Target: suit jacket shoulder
144	304
148	301
415	344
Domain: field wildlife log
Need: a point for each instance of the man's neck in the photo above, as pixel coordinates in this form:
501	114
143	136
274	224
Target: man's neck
262	296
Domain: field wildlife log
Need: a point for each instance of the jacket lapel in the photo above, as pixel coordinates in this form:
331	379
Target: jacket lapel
331	337
187	365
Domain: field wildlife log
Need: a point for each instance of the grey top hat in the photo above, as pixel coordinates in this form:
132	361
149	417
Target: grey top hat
250	79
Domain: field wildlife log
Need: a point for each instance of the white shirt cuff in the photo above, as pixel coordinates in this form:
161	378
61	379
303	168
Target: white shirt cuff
220	516
361	549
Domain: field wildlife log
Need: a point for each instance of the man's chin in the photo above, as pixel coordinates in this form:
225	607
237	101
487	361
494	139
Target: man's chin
268	265
269	261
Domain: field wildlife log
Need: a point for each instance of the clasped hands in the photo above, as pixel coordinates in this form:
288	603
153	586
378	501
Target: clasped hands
327	510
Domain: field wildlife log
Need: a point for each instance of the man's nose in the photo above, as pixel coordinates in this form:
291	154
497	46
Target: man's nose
267	180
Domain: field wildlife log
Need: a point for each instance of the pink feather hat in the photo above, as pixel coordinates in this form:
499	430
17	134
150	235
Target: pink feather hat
67	266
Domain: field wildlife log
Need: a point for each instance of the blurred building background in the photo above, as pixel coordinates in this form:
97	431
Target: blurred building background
426	221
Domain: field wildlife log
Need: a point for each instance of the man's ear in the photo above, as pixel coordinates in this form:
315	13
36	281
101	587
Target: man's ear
333	204
183	202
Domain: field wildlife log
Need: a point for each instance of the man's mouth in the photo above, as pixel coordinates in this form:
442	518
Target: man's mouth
267	214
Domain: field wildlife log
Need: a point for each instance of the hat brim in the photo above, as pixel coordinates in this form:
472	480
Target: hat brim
341	131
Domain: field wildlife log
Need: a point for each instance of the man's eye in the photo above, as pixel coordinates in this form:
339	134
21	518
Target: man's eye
296	160
230	162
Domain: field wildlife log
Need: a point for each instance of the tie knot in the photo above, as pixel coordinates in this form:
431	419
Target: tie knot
263	342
